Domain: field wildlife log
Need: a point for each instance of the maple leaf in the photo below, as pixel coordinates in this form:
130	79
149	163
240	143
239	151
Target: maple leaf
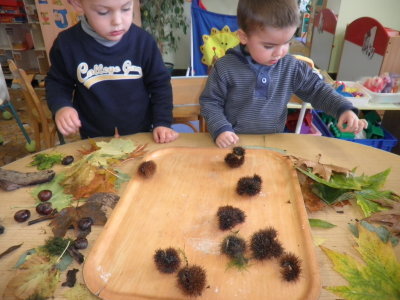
98	207
377	277
93	172
37	276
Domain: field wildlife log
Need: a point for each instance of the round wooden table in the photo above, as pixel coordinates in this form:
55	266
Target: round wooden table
366	159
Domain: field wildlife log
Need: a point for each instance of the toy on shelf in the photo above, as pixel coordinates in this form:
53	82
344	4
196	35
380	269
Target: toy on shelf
353	91
346	90
385	83
384	88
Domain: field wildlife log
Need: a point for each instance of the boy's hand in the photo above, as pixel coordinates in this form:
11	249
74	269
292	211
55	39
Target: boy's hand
163	134
353	123
226	139
67	120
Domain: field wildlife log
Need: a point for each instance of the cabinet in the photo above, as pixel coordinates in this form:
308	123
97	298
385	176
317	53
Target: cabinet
369	49
21	37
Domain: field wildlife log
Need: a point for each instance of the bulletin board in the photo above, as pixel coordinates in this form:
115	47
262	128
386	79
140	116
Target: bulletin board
58	15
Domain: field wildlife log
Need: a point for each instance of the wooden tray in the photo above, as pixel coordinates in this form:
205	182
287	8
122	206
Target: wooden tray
177	208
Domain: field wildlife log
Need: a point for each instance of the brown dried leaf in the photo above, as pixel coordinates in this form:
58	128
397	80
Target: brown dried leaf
323	170
93	147
390	217
312	202
101	183
96	207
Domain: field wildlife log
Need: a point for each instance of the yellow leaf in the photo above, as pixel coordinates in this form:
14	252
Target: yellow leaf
37	276
376	277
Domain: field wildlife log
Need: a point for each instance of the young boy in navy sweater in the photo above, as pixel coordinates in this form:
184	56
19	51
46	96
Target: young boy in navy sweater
249	88
108	73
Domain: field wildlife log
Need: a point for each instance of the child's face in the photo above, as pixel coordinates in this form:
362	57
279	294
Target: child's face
269	45
111	19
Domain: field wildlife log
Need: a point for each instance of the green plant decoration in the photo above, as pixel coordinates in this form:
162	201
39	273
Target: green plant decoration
164	19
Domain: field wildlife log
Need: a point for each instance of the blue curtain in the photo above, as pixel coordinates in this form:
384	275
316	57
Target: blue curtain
202	23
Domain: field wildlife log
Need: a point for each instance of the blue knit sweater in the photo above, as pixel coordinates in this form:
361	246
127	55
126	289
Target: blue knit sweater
242	96
125	86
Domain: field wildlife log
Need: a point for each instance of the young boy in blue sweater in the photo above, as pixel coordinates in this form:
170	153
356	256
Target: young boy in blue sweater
249	88
108	73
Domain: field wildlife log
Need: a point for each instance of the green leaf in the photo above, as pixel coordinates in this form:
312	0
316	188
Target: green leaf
24	257
121	178
368	207
116	148
331	195
320	223
44	161
65	261
354	230
337	181
59	199
376	182
377	277
341	181
383	233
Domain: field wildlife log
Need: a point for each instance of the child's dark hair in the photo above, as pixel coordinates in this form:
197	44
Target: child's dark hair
258	14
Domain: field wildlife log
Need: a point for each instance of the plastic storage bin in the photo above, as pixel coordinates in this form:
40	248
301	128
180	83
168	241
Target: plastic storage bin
385	98
312	129
386	143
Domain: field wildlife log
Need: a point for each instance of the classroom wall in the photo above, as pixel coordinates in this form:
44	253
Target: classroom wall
181	59
385	11
334	5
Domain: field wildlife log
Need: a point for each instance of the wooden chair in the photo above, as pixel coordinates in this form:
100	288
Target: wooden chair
41	120
186	92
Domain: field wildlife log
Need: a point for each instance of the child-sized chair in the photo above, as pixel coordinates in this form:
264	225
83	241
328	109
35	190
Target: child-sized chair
41	120
5	103
186	92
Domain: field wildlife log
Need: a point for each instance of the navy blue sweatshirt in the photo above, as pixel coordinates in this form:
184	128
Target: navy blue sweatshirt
125	86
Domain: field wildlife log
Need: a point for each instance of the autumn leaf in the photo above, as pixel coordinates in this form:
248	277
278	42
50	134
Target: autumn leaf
93	147
377	276
98	207
312	202
37	276
59	198
323	170
79	292
94	173
383	233
351	182
390	217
